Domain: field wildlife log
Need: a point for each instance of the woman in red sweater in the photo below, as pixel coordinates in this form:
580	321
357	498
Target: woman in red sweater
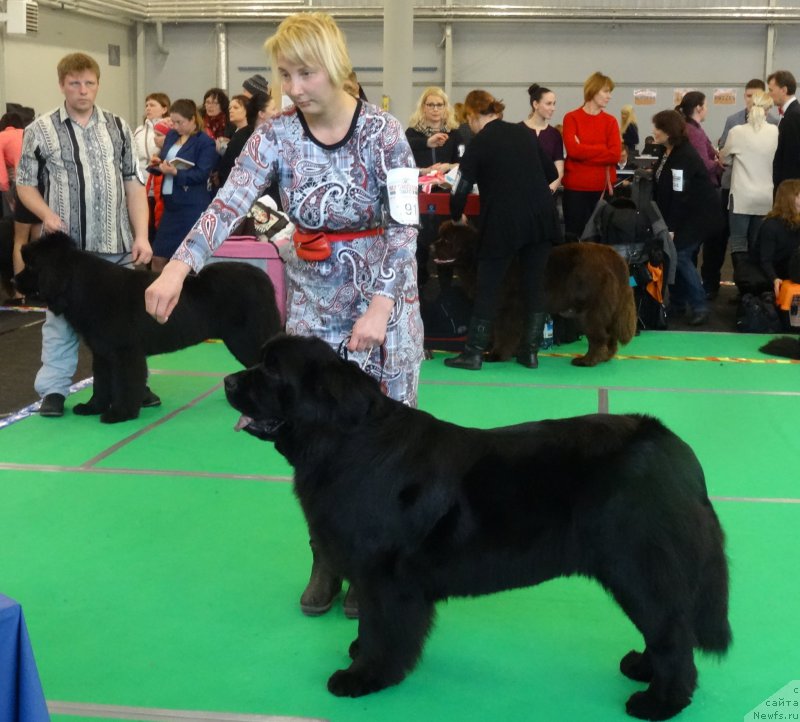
594	147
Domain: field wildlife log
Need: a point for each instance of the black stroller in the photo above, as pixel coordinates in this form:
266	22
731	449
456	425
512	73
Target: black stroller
631	222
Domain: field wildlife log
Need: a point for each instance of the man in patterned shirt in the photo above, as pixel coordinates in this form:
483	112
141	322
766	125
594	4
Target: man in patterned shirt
93	190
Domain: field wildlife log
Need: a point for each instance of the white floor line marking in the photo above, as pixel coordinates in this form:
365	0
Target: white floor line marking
279	478
154	714
755	500
60	469
589	387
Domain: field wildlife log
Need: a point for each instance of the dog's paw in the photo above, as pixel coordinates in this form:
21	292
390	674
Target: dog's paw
584	361
355	683
115	416
645	705
354	649
90	408
636	666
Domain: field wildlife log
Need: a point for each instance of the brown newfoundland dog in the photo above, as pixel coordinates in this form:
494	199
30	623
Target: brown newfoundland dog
587	282
104	303
415	510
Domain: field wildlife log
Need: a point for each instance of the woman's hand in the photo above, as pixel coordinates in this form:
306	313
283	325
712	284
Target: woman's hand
369	330
776	286
437	140
167	168
161	296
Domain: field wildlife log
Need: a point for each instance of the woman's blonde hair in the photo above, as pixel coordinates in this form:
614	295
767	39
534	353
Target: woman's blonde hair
312	39
628	116
784	206
757	115
594	84
417	119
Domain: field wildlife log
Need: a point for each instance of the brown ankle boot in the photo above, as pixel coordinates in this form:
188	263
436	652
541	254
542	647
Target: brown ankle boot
323	587
350	603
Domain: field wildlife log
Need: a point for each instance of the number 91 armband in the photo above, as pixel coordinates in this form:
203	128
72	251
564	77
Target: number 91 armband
401	187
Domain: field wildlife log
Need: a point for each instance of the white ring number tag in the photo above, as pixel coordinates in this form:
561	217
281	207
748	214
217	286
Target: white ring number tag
401	184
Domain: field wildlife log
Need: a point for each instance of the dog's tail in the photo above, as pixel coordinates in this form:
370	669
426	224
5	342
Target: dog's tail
711	627
625	320
782	346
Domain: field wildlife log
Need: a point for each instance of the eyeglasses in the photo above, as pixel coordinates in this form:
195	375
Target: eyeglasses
434	106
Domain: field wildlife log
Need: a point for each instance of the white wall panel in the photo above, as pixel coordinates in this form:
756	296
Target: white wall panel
30	61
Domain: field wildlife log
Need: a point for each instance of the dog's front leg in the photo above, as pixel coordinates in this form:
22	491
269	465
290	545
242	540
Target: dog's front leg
393	624
129	377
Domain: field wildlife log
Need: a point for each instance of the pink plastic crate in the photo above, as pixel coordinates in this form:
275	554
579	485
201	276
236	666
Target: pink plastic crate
258	253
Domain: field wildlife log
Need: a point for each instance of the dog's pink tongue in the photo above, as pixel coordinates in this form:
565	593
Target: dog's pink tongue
242	422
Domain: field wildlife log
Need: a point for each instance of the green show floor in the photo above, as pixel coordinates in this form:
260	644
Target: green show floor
159	562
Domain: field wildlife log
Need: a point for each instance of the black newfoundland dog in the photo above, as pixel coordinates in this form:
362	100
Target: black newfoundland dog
104	303
414	510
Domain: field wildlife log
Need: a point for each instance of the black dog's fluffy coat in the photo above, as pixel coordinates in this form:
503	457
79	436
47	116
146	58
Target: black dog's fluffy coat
414	510
104	303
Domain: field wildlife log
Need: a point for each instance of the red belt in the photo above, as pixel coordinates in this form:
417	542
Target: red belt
316	245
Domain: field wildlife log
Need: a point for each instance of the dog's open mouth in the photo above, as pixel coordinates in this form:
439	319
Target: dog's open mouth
263	428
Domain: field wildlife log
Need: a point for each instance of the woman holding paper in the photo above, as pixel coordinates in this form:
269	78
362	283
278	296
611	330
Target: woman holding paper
186	161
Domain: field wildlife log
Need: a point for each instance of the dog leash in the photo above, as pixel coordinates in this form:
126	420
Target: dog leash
344	354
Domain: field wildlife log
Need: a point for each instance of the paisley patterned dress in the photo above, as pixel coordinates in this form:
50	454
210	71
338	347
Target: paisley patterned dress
339	187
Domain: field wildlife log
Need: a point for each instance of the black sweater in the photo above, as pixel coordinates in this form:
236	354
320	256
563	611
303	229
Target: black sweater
776	243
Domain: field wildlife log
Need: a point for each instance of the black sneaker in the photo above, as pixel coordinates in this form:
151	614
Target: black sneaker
52	405
150	399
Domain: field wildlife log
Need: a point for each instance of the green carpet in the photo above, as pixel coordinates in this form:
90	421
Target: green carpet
159	562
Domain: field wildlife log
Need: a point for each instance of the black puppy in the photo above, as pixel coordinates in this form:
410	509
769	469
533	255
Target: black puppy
414	510
104	303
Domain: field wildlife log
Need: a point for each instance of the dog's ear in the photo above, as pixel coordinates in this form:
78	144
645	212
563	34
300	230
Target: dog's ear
54	285
335	391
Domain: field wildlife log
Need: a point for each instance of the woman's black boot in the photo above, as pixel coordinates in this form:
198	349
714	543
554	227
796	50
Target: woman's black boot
532	334
323	586
471	358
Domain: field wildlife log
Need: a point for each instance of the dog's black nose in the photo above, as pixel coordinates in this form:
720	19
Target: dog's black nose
231	382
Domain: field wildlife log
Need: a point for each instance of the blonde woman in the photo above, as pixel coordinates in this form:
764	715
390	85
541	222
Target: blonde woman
629	129
751	147
433	132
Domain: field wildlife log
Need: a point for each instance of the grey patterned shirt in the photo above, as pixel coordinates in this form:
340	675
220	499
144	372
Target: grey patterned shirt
82	171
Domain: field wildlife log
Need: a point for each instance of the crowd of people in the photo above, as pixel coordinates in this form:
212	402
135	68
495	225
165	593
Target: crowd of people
158	184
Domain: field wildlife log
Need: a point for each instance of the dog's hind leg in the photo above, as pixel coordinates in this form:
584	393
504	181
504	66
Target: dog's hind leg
598	350
244	346
392	627
101	389
667	662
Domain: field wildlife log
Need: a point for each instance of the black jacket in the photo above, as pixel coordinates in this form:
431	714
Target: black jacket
513	176
786	163
425	157
687	200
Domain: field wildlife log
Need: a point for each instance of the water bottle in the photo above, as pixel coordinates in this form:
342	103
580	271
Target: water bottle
547	336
